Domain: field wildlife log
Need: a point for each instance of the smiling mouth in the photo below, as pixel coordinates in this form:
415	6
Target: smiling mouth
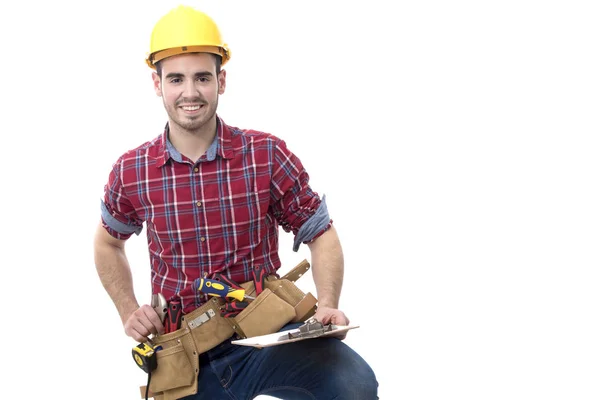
191	108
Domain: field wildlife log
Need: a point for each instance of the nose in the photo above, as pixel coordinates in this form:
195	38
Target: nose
189	90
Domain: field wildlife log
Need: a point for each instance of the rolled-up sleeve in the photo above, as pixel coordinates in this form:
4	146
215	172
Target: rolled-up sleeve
118	214
295	205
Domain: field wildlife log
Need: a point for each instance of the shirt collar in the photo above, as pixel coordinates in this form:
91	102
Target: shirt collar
221	146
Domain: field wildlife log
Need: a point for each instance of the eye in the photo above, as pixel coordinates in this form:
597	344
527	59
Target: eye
203	79
175	80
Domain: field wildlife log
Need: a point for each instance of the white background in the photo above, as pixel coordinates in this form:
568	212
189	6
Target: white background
456	142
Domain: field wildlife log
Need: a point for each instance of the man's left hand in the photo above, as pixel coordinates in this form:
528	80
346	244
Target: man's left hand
328	315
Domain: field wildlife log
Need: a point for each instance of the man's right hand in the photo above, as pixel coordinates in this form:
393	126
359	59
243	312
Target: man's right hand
142	323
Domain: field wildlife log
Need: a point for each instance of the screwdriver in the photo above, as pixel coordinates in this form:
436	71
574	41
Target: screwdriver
213	287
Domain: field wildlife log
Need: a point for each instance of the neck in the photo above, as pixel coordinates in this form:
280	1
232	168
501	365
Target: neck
193	143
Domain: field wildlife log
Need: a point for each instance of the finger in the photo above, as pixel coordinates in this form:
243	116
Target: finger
139	337
317	317
323	316
135	334
152	320
142	326
134	328
339	319
338	335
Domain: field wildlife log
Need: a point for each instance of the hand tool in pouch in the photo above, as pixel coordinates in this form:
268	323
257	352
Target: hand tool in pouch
173	317
213	287
232	307
259	276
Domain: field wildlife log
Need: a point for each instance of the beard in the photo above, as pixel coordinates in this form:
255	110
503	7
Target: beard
192	123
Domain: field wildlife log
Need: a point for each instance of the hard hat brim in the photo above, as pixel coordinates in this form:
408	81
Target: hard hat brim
162	54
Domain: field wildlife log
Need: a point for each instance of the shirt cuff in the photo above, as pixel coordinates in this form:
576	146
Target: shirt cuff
313	226
117	225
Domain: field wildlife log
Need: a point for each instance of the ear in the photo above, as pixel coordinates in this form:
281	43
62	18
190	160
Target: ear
222	81
157	88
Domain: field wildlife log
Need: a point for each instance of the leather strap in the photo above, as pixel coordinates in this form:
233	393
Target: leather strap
296	272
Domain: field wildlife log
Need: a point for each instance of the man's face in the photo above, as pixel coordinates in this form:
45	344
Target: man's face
190	88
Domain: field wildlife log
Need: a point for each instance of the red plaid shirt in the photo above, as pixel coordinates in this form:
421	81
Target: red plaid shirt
217	215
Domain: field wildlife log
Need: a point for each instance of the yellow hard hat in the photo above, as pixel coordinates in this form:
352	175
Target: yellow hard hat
186	30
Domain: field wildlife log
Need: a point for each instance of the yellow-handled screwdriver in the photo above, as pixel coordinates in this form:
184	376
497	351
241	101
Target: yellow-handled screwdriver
213	287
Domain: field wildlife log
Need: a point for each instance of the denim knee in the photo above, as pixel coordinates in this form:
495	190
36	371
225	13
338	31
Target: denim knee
357	382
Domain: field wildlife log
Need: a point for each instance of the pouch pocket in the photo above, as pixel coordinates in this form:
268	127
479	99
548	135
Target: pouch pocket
266	314
207	326
287	290
304	304
174	368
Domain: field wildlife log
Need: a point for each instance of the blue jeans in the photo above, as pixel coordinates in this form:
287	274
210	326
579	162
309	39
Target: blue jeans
315	369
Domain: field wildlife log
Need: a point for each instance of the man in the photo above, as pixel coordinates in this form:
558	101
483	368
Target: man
212	197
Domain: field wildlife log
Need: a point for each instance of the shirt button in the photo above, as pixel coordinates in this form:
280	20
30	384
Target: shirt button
198	203
202	239
196	169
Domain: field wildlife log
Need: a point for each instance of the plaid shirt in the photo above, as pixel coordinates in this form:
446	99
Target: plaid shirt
217	215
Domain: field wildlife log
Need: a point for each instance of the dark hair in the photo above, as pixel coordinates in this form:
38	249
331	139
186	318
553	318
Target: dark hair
215	56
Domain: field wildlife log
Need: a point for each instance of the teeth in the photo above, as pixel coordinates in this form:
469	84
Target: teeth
191	108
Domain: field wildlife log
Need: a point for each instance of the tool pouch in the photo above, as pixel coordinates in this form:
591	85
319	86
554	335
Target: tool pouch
206	325
266	314
304	304
177	365
178	361
280	302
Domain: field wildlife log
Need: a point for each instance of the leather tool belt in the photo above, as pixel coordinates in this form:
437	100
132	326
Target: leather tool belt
178	364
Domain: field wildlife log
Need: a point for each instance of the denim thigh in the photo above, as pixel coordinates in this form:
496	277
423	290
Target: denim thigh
321	368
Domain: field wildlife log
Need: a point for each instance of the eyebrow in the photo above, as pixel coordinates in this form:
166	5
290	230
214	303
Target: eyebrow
196	75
